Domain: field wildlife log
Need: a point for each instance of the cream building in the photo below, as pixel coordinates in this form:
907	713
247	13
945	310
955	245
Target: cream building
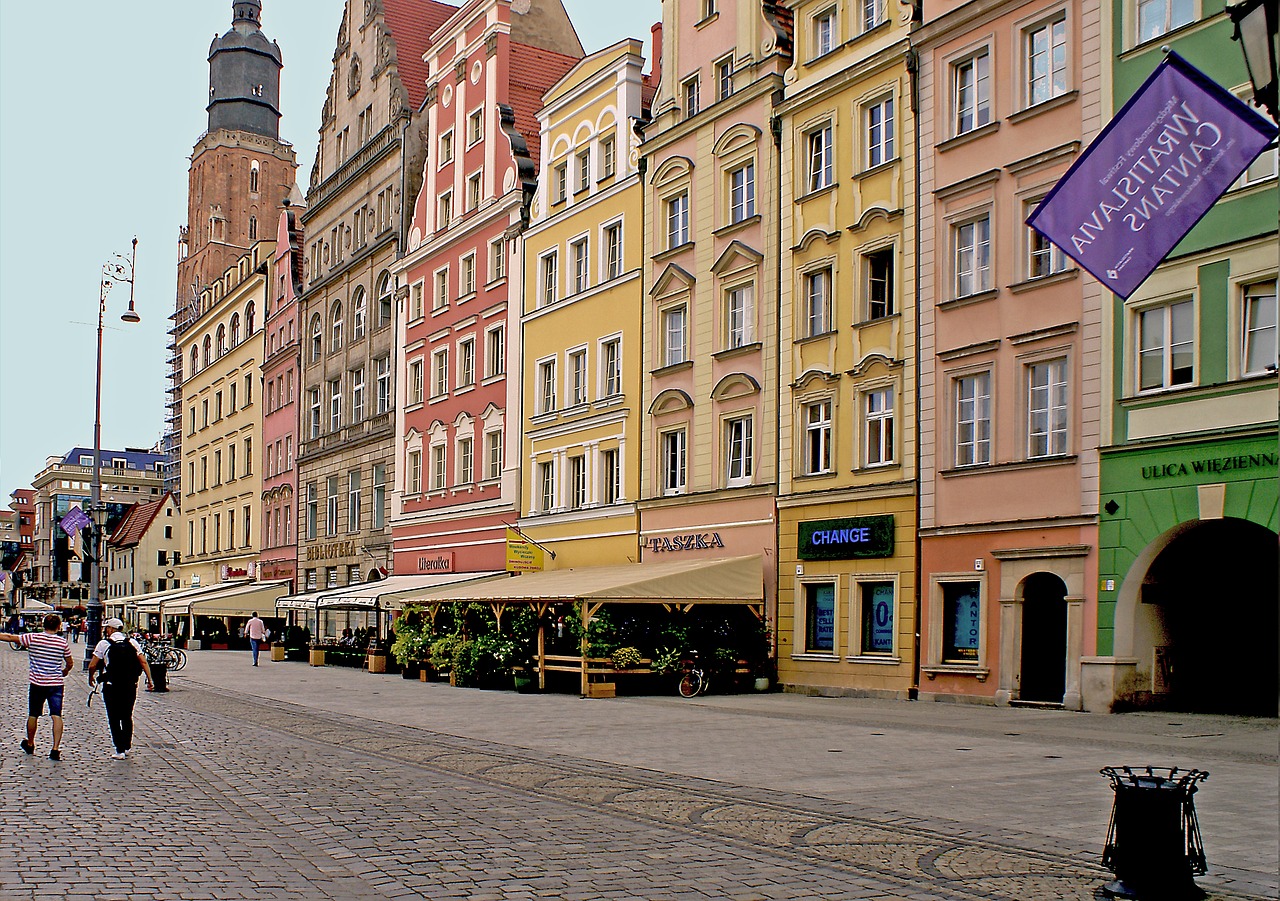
144	552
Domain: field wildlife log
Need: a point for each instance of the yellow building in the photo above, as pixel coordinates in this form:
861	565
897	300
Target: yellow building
580	320
221	477
847	472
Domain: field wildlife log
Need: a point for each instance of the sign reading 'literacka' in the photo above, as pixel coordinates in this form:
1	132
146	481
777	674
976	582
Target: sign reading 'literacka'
1153	172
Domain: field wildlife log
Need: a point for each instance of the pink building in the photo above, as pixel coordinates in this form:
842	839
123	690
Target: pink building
278	559
1009	344
456	454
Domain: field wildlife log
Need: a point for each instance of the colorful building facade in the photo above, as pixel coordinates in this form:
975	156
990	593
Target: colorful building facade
580	323
847	472
457	449
143	551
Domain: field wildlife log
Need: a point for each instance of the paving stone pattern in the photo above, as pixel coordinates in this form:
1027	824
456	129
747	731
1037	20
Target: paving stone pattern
234	796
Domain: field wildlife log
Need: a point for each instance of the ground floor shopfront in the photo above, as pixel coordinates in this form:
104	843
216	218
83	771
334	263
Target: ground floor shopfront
1189	583
1008	611
452	541
846	593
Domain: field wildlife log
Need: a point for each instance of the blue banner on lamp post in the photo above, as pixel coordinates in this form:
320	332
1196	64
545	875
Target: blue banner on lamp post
1151	175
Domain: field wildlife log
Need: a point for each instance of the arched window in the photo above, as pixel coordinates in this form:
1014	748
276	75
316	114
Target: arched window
207	357
235	329
222	340
358	315
335	327
248	320
253	177
253	228
195	361
384	299
317	338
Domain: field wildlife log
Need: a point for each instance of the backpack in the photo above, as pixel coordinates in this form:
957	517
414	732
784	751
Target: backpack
122	665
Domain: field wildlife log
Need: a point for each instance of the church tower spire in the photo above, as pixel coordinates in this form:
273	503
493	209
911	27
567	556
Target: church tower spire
244	75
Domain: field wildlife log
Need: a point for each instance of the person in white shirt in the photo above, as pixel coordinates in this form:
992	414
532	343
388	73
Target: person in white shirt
119	691
256	631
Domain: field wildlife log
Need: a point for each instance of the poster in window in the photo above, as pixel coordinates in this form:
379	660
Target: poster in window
962	615
821	617
877	619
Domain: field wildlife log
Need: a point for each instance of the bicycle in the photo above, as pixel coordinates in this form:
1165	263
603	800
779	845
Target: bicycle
693	680
163	652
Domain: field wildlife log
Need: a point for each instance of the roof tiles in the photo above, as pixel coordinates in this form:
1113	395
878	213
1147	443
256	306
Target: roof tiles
412	22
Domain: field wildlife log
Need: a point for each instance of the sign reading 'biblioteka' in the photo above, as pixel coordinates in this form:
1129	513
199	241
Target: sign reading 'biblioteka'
1149	177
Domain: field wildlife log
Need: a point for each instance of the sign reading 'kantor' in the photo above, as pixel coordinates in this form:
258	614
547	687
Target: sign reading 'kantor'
1153	172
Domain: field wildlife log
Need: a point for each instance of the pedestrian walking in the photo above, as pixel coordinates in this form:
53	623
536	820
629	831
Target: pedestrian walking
49	661
256	630
75	633
121	660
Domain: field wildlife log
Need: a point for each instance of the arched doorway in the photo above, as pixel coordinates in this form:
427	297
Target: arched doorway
1044	639
1210	600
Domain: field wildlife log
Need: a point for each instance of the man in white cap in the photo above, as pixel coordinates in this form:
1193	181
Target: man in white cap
121	660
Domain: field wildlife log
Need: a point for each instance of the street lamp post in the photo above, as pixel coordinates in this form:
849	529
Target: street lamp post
1256	23
113	273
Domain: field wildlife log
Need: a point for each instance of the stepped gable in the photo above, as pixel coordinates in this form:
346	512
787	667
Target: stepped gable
412	23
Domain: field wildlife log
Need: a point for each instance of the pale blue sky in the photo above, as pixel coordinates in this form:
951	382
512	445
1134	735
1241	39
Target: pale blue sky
100	105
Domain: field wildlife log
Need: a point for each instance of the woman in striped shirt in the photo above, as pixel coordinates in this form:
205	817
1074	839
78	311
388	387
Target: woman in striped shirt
49	657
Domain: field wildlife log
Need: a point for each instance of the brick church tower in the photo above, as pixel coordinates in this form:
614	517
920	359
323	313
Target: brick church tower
241	177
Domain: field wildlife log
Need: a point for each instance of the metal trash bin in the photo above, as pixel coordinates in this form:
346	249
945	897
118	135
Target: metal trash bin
159	677
1154	846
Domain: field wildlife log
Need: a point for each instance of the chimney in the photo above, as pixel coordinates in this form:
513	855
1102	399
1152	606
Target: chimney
655	63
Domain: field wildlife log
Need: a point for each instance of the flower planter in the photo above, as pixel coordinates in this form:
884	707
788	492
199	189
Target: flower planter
601	690
377	663
277	653
761	683
316	658
409	672
195	644
525	683
423	673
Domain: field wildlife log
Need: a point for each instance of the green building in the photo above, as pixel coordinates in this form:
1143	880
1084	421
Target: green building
1188	593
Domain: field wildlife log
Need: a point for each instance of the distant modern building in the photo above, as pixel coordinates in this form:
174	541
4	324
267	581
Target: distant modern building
143	552
240	179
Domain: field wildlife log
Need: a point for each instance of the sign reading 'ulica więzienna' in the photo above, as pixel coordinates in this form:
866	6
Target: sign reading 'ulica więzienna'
846	539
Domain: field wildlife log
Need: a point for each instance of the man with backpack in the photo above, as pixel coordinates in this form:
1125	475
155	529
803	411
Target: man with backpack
121	660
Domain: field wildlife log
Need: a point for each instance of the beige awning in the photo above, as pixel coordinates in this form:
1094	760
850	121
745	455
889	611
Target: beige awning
238	600
734	580
171	599
392	592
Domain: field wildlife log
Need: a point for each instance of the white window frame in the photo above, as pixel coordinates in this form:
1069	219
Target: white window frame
724	77
547	485
675	351
966	116
382	371
414	388
495	351
1167	345
742	192
691	96
611	366
879	123
467	362
971	256
613	249
467	276
816	290
440	290
549	277
475	126
879	426
446	148
1040	85
439	464
439	372
356	378
579	495
1048	408
493	455
576	374
354	488
464	462
1166	14
677	219
880	307
1253	297
819	159
739	315
546	385
739	450
580	259
817	453
825	31
972	421
673	462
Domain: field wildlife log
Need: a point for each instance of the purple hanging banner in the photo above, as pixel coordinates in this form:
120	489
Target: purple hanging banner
1153	172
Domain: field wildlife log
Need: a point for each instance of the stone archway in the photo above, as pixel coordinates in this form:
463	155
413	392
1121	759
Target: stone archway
1199	618
1043	670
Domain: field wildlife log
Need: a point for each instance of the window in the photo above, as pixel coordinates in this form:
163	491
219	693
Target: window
547	486
440	297
353	500
335	327
466	461
331	577
217	468
1260	349
475	127
961	621
972	256
413	474
382	373
1158	17
818	160
437	467
879	268
1043	257
872	14
1263	168
331	506
440	372
547	386
217	406
737	450
253	177
550	277
562	182
879	427
580	254
673	462
235	329
207	354
359	315
493	455
446	147
357	394
222	340
413	390
444	210
584	170
248	456
1046	49
231	462
973	419
217	531
708	8
1166	346
467	277
738	316
253	228
875	602
817	302
312	583
577	482
204	413
384	300
817	438
613	250
495	359
880	132
824	31
577	377
313	401
1047	409
317	339
497	259
673	335
466	362
820	618
288	451
608	157
971	92
335	404
677	221
611	366
474	185
742	193
690	91
724	78
611	471
379	495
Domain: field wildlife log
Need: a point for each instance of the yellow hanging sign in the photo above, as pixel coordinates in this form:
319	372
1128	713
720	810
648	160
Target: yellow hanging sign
523	556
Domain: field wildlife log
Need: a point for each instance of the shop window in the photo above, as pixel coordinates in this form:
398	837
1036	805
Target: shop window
961	622
876	612
820	618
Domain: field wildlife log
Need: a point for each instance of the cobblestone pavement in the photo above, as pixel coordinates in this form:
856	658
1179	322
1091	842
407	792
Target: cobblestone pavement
335	784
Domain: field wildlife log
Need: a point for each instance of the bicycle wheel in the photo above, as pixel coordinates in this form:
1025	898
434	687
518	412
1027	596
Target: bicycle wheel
690	683
177	660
